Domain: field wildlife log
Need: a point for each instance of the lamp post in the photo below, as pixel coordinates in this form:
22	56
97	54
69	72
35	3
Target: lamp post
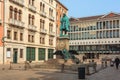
3	41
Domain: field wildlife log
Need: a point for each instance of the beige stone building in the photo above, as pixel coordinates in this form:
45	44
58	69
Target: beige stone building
29	31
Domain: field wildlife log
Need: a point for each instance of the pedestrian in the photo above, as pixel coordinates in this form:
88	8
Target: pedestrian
117	61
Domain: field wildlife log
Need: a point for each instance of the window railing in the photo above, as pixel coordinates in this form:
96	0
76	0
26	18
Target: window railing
43	31
52	33
32	7
32	27
42	13
51	18
18	2
16	23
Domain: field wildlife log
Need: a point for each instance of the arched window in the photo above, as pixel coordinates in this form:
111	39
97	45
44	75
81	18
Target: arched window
33	2
43	23
40	6
29	19
20	15
40	23
43	7
15	13
33	18
11	12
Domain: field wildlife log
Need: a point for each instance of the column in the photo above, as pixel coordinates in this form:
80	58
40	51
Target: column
46	54
36	54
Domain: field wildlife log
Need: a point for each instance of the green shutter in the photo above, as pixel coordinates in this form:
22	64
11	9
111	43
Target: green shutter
30	54
41	54
50	53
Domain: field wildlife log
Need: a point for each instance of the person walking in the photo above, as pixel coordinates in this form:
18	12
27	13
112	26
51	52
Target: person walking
117	61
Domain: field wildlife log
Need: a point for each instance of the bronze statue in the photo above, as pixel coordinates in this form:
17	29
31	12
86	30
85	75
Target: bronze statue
64	27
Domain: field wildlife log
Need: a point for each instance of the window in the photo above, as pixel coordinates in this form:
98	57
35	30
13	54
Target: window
20	15
42	24
21	53
41	54
15	13
50	41
31	2
30	55
31	19
42	39
15	35
51	1
30	38
8	53
40	6
21	36
11	12
50	12
8	34
50	27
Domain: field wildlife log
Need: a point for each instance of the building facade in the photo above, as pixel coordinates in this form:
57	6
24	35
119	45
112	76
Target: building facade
96	36
29	30
60	10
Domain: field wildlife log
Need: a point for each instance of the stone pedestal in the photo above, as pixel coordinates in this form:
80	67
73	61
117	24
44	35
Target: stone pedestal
63	43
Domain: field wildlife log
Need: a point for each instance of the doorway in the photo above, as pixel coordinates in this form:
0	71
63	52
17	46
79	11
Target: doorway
15	53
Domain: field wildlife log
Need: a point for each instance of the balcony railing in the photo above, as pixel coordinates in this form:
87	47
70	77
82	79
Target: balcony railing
51	18
52	33
18	2
16	23
42	13
44	31
32	27
32	8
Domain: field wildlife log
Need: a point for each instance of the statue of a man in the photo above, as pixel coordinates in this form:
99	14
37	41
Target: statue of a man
64	27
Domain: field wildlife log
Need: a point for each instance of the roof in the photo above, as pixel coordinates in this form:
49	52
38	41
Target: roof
61	4
109	15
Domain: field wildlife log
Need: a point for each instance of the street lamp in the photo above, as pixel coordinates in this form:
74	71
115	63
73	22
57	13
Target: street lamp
3	41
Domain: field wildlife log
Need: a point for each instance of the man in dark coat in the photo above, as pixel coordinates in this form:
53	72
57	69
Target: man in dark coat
117	61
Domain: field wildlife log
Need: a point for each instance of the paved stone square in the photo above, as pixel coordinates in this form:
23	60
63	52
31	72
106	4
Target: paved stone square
109	73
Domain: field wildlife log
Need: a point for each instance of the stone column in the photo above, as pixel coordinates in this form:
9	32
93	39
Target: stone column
36	54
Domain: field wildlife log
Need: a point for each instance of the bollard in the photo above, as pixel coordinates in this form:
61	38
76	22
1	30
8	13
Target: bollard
81	73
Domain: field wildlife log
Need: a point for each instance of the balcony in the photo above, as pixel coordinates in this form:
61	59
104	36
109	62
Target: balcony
43	31
16	23
32	8
52	33
51	18
32	27
18	2
42	13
